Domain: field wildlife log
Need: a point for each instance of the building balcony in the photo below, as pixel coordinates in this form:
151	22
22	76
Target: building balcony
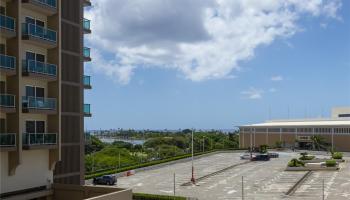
7	26
46	7
7	103
7	65
86	26
39	140
7	141
86	54
87	112
87	82
39	105
39	70
86	2
39	35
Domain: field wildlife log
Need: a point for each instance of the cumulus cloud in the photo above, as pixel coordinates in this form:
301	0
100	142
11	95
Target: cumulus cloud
277	78
201	39
253	93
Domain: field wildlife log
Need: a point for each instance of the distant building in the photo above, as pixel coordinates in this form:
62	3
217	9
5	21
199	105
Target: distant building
298	133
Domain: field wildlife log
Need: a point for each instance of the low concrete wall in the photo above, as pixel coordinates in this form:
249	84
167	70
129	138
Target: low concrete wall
76	192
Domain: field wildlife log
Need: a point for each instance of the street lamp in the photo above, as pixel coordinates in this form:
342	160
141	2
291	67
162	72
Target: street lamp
193	180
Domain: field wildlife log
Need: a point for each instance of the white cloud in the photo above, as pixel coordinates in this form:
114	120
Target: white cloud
253	93
201	39
277	78
272	90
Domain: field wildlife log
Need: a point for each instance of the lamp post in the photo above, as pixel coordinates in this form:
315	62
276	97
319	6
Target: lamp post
193	180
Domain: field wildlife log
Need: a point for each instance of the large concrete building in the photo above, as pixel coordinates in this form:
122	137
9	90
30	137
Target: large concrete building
42	108
298	133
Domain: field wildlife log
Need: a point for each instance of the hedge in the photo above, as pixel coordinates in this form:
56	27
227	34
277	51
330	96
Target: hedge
141	196
331	163
337	155
147	164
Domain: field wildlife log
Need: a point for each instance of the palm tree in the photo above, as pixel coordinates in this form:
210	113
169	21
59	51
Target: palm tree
318	142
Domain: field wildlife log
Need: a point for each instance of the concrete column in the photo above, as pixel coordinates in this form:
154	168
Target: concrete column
280	134
267	136
251	139
254	136
332	139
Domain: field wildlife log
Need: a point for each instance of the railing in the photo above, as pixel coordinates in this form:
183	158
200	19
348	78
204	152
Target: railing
87	110
7	22
39	32
50	3
86	52
32	66
7	139
7	62
7	100
38	103
31	139
86	80
86	24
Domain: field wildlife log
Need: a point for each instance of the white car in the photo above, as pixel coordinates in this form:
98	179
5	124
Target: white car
246	156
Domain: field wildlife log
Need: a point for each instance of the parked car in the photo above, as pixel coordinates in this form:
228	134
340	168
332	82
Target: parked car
261	157
246	156
273	155
105	180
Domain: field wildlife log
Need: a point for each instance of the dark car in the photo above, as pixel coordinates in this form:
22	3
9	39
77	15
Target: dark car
261	157
273	155
105	180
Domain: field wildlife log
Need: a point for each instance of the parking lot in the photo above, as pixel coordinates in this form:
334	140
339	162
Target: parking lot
262	180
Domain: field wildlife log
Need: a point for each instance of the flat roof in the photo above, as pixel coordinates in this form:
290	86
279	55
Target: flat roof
302	123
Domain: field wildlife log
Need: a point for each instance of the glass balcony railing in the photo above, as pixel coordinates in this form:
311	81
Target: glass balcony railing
39	32
7	139
86	52
87	110
31	139
32	66
86	24
39	103
7	22
50	3
7	100
87	81
7	62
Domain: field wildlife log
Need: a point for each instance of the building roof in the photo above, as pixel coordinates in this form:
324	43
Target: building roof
303	123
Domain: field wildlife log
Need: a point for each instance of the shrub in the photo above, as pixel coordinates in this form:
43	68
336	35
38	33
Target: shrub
307	157
141	196
278	144
331	163
337	155
295	163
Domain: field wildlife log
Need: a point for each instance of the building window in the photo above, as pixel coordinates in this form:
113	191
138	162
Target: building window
344	115
32	91
35	126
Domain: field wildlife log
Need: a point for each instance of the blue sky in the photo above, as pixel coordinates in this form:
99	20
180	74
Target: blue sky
304	69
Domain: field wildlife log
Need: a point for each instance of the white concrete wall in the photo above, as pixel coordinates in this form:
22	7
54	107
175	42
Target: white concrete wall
340	110
33	171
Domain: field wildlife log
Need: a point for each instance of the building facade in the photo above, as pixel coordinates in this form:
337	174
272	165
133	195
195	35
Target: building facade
42	85
334	131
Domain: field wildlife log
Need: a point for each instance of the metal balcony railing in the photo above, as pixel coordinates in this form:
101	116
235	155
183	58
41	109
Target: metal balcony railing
38	103
87	81
7	139
39	32
86	52
31	139
7	22
32	66
86	24
87	110
7	100
50	3
7	62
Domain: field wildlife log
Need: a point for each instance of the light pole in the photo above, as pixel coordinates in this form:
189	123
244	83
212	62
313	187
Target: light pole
193	180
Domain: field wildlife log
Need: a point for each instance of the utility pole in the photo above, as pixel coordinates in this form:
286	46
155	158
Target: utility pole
174	186
242	189
193	180
322	189
119	160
